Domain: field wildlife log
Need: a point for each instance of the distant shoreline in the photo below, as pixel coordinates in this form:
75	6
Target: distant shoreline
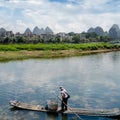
24	54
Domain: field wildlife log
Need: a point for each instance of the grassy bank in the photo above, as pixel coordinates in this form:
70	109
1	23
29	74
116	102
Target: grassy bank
24	51
44	47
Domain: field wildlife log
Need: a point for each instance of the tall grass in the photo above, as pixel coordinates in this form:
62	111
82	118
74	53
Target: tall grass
83	46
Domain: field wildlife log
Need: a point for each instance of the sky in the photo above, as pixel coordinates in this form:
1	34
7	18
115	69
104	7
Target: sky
60	15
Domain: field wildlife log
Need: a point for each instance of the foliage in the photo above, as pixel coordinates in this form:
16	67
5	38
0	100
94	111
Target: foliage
91	35
71	33
60	46
76	38
71	37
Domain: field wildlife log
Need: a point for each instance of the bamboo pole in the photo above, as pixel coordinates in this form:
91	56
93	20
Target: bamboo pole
70	109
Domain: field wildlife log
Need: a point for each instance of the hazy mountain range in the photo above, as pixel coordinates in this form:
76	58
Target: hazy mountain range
39	31
113	32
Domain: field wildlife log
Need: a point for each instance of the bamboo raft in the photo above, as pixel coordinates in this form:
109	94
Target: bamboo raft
115	112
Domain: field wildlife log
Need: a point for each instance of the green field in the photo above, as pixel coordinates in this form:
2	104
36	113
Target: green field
32	47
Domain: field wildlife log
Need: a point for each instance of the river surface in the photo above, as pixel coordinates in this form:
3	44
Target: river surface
93	82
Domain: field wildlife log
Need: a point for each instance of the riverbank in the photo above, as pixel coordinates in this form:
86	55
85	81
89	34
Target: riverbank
23	54
26	51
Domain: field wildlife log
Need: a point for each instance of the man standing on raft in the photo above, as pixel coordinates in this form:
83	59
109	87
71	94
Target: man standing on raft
65	96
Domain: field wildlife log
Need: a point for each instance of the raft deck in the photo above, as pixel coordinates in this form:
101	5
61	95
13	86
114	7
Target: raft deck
115	112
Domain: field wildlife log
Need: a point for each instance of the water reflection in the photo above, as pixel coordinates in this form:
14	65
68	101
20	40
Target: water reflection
93	82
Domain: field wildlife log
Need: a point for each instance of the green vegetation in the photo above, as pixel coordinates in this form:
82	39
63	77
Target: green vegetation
25	51
83	46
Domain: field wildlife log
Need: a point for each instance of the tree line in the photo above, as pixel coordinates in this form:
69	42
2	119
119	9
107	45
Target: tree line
67	38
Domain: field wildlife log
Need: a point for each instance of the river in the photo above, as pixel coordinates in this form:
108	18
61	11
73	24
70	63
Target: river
93	81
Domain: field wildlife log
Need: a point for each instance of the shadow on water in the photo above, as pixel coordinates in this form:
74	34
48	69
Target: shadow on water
51	116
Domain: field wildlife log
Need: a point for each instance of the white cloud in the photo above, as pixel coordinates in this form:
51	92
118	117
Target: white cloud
74	15
20	24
